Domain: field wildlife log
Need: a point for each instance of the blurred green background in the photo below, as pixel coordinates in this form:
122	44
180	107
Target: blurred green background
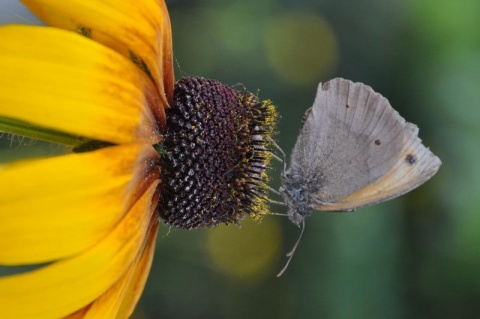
414	257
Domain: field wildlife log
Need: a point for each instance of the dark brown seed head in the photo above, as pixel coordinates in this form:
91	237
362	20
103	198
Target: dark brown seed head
216	155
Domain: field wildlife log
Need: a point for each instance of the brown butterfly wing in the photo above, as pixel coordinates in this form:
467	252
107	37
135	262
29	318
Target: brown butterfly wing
416	164
352	151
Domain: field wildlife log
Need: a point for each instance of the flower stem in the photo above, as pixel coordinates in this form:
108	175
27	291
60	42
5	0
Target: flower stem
16	127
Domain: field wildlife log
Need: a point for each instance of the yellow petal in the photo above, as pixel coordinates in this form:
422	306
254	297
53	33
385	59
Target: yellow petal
57	207
128	289
66	286
139	278
78	314
63	81
139	30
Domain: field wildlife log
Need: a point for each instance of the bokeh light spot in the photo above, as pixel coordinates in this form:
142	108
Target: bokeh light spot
246	252
301	47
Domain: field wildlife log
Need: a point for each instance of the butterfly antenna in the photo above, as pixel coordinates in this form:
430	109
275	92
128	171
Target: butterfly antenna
284	161
277	214
273	190
276	202
290	254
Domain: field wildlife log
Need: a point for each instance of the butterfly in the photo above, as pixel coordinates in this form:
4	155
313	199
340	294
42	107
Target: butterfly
353	150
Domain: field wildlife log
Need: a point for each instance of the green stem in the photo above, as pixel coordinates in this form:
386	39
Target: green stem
16	127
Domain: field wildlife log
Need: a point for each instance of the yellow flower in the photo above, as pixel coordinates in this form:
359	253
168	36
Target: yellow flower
85	220
196	152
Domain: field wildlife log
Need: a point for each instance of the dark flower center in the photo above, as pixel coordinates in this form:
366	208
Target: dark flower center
214	155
